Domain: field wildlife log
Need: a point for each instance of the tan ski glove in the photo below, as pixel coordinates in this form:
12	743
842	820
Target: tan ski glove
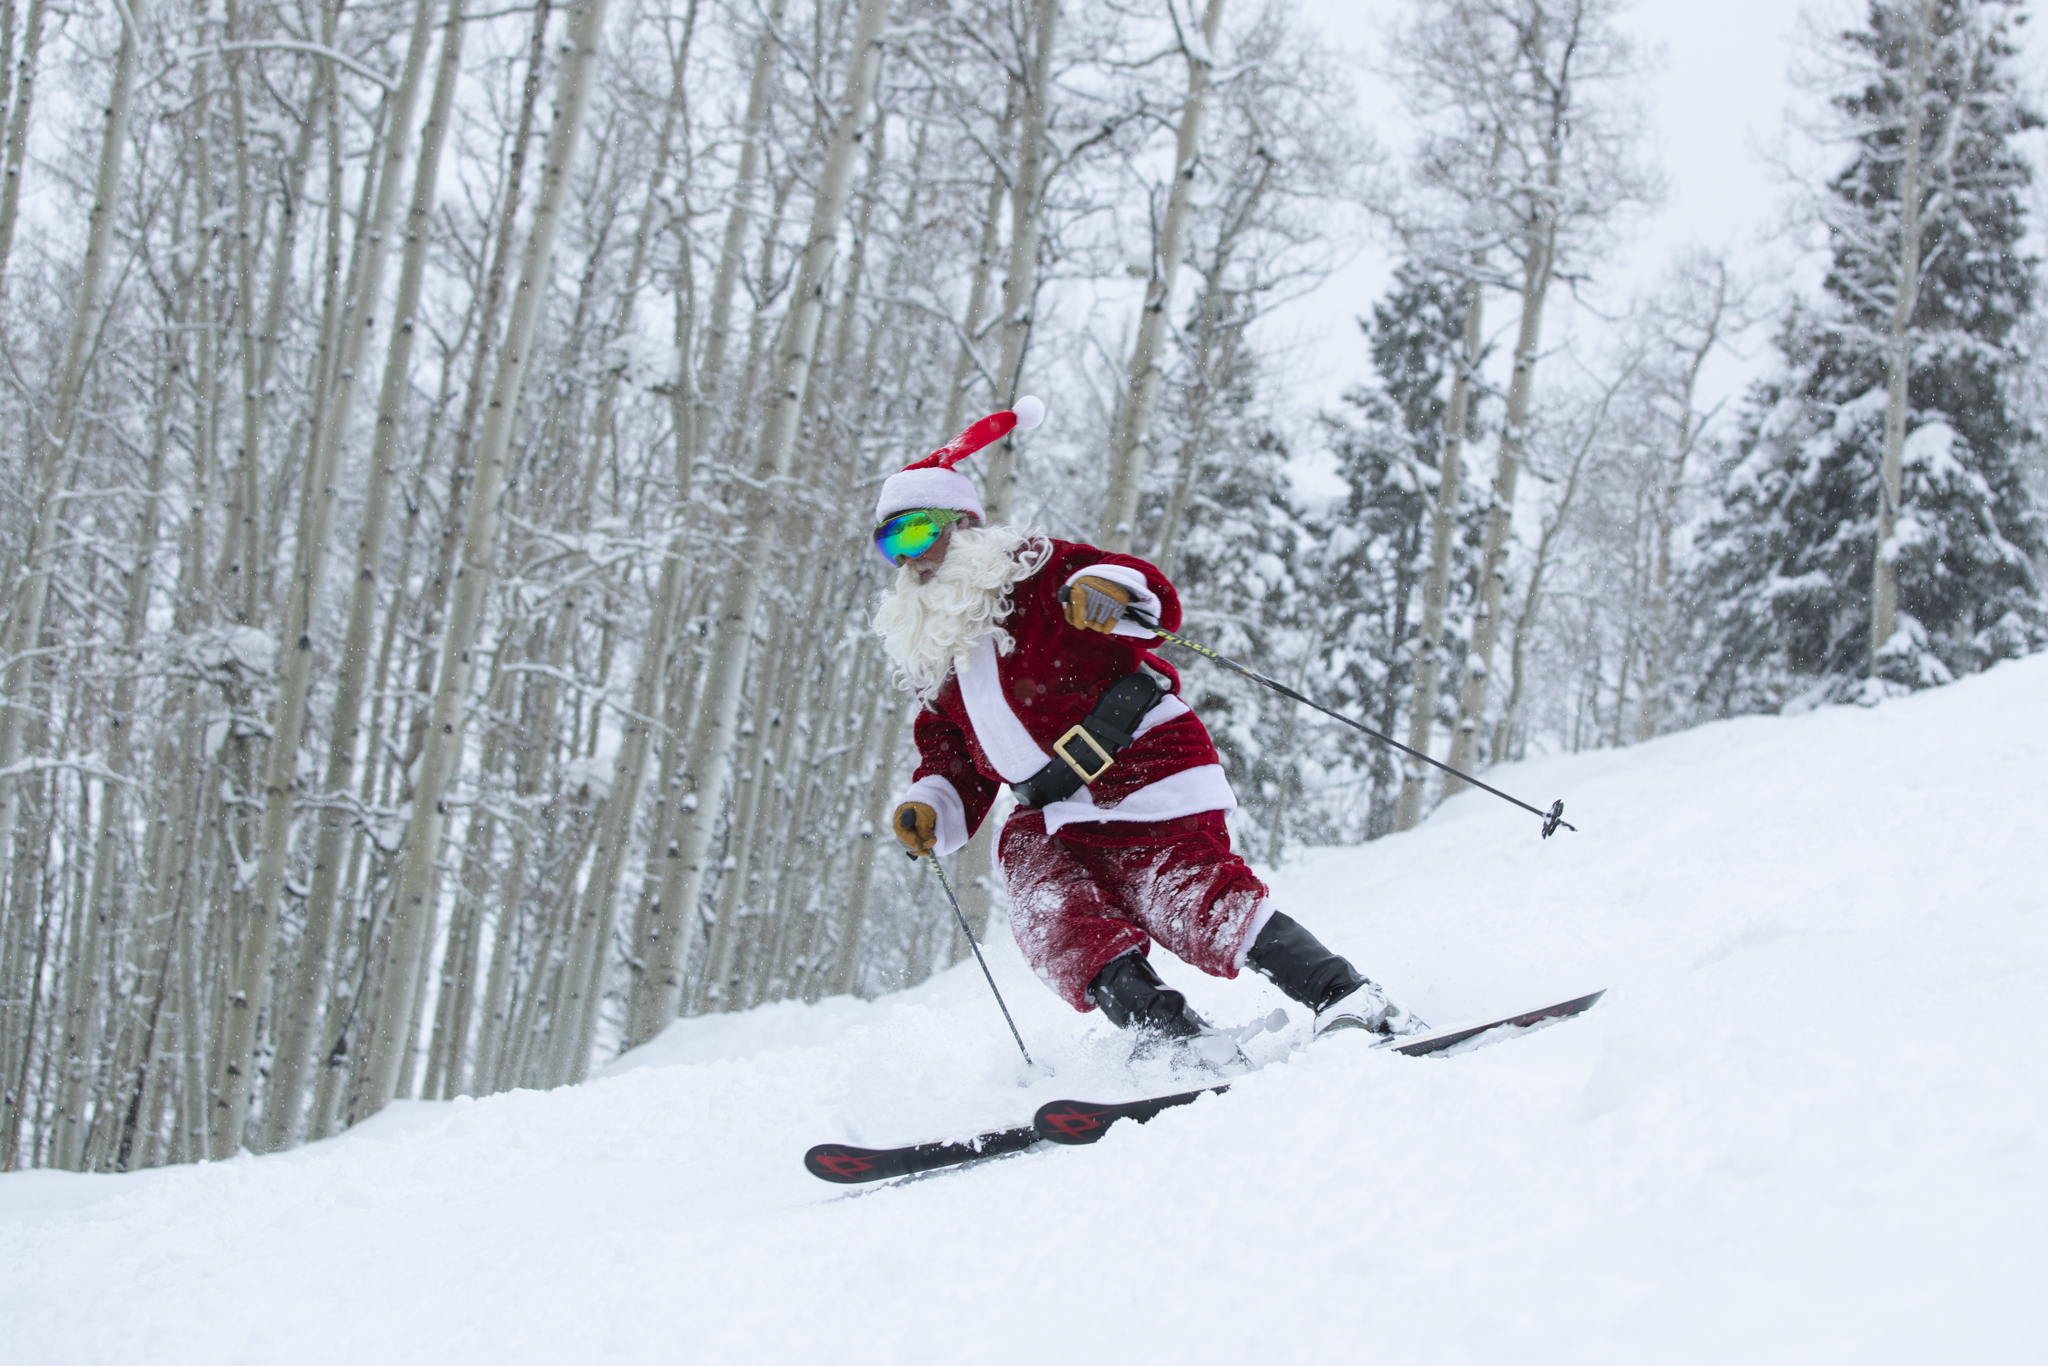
917	826
1095	604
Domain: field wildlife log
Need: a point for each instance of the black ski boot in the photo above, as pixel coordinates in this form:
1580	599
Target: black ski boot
1132	995
1340	995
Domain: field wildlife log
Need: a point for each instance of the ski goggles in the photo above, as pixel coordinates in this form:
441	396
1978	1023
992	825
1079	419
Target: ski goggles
908	535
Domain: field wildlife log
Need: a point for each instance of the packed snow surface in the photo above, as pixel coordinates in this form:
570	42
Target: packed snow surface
1803	1126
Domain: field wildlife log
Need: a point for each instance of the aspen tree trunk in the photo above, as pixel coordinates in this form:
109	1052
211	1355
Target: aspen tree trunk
1536	273
1649	718
412	906
973	324
75	1026
1631	631
196	933
507	1033
1020	279
844	393
148	945
455	990
1532	597
1884	582
451	1061
32	951
1218	332
477	388
830	900
51	446
1443	535
662	928
544	1028
621	805
867	848
710	760
752	781
494	1012
185	802
16	150
298	1028
134	1142
1141	381
242	1008
757	782
782	791
109	901
244	555
316	522
6	75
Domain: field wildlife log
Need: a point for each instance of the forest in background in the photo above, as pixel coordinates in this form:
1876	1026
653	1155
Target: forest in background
440	441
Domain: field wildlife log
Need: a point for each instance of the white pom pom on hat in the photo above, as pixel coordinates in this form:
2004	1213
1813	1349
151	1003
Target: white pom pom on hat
933	482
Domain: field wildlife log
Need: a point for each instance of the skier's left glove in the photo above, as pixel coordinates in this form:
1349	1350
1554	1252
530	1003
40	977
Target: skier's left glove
917	825
1095	604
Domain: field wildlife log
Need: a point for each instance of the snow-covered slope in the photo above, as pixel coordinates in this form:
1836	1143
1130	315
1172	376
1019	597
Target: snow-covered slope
1804	1126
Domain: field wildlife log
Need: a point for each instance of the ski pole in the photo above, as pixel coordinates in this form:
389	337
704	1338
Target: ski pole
932	861
1553	819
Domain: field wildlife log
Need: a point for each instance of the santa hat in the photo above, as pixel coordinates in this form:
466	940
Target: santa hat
933	482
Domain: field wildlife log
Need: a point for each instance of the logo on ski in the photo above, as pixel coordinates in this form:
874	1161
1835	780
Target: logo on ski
1074	1125
839	1164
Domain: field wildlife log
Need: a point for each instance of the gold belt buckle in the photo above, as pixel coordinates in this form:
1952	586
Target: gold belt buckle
1060	748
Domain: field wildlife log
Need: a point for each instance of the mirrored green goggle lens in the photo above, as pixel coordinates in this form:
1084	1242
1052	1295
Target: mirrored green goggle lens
909	534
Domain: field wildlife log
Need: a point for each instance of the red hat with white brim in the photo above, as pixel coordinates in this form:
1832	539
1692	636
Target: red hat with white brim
933	482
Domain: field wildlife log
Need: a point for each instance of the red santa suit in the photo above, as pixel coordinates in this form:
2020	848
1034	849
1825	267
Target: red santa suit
1141	854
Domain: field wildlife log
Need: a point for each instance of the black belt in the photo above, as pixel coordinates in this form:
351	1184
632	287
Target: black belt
1087	751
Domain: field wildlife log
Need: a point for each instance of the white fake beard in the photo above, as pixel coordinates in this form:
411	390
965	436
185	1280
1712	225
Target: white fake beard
929	628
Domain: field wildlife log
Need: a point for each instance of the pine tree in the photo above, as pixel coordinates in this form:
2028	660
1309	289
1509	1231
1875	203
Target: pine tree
1239	566
1893	427
1373	543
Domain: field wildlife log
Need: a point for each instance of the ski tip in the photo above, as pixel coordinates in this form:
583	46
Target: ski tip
1073	1121
842	1163
1440	1042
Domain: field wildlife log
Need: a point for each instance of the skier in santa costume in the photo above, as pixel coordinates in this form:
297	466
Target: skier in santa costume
1031	671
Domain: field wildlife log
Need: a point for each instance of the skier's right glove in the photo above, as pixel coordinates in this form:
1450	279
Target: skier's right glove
1095	604
917	825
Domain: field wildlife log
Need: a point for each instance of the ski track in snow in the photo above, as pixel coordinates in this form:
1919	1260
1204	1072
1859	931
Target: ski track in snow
1803	1126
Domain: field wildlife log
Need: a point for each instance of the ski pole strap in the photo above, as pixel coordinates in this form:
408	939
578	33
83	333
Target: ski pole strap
1089	750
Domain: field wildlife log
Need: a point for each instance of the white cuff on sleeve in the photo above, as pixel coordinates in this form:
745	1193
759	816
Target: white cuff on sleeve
1142	596
940	796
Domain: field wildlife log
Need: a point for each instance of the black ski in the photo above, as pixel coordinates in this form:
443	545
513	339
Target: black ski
850	1166
1077	1122
1444	1040
1084	1121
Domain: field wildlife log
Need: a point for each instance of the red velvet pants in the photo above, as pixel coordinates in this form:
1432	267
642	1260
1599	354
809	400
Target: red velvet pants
1100	889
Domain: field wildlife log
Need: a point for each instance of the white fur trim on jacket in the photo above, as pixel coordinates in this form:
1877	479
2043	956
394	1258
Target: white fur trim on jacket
940	795
1003	738
1186	793
1142	596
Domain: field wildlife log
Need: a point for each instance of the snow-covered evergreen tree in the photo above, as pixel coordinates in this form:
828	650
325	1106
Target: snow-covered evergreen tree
1373	543
1892	429
1239	564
